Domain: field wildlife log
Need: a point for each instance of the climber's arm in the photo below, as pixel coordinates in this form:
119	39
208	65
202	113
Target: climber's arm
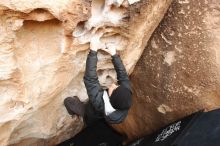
94	90
91	82
122	75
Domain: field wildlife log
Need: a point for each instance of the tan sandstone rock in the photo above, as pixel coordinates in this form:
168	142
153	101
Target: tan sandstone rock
43	49
179	71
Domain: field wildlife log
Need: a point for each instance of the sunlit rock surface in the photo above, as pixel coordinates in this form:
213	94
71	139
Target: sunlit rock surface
179	71
43	49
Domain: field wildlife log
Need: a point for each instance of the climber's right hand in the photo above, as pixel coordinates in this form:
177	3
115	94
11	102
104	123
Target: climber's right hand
111	50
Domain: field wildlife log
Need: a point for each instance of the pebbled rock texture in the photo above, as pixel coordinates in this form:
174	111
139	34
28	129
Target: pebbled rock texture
179	70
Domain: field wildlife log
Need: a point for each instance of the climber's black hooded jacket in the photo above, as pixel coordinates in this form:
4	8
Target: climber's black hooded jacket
95	107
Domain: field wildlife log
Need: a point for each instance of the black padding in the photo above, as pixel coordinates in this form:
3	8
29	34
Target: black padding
168	134
98	134
205	131
198	129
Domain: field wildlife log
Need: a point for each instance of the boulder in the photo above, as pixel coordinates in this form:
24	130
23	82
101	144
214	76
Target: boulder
179	70
43	49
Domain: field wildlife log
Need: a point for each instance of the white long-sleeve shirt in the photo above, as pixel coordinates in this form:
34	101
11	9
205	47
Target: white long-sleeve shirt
108	107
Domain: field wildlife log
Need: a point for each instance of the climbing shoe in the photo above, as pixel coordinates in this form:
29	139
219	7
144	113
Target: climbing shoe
74	106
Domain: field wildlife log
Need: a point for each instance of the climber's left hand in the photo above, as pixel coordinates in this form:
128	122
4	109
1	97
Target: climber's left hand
95	42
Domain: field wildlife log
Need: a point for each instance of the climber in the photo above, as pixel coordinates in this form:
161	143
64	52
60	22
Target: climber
111	104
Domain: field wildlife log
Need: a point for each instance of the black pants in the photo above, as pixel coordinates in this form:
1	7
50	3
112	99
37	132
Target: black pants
91	116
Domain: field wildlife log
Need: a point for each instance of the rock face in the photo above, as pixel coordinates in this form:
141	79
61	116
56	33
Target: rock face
43	49
179	70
